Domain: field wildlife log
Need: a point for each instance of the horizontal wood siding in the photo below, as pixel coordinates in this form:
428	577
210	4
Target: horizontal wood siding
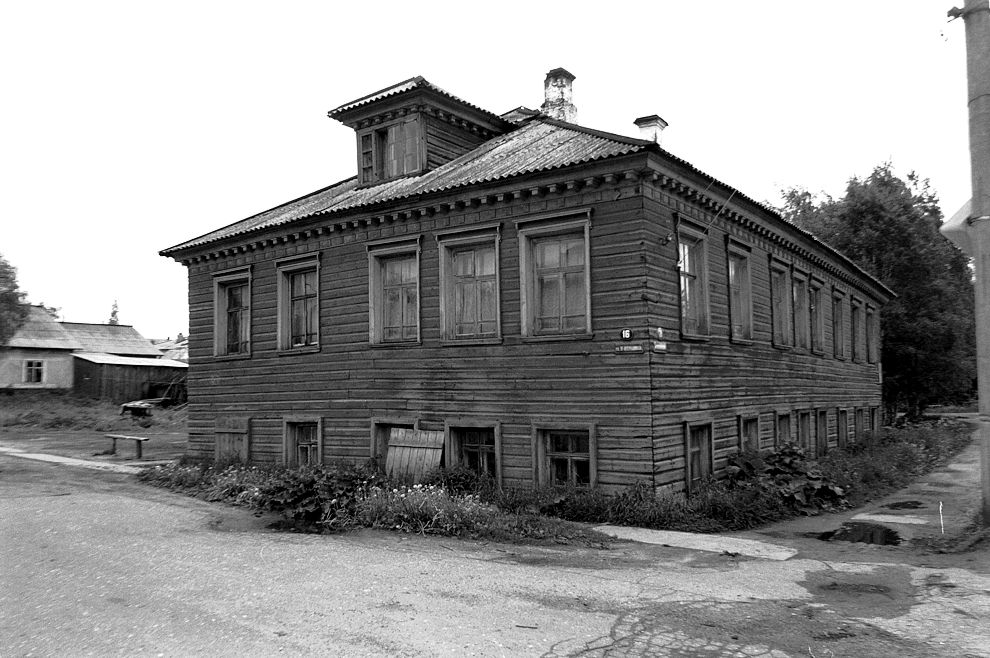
718	380
520	383
446	141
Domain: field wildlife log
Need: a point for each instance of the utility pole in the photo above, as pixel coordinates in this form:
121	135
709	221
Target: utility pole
969	228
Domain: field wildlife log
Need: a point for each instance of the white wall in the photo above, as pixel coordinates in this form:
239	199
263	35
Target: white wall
57	372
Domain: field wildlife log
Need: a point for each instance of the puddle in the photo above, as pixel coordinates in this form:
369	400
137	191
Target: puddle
865	533
905	504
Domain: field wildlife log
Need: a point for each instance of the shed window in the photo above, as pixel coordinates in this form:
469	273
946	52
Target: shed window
34	372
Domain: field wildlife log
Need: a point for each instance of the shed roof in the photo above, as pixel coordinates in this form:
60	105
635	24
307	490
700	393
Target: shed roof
116	360
41	330
540	145
110	339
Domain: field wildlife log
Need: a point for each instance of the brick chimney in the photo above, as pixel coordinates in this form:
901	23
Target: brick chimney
557	92
650	127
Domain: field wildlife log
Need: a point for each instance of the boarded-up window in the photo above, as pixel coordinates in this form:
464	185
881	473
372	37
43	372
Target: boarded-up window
842	428
821	433
783	429
413	453
749	433
699	454
232	439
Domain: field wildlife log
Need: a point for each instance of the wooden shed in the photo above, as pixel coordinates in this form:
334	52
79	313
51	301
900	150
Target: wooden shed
125	378
567	306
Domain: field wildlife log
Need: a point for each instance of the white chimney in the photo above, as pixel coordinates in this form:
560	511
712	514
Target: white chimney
557	93
650	127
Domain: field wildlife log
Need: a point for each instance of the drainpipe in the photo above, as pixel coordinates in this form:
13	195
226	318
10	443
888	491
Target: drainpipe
970	230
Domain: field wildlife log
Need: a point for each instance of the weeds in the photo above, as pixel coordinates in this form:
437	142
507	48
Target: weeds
755	489
62	410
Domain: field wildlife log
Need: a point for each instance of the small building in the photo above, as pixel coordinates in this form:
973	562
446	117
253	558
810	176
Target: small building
112	362
563	305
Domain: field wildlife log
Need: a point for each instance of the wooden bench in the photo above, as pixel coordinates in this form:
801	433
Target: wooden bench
138	442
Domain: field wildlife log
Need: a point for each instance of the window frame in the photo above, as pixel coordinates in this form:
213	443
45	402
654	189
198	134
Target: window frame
707	457
841	427
696	240
376	171
747	442
34	372
781	311
449	243
289	442
379	252
534	228
741	252
222	281
856	330
381	427
838	324
816	315
453	448
872	333
284	269
540	436
779	427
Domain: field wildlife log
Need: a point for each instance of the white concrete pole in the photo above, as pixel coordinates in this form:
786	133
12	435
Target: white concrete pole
976	15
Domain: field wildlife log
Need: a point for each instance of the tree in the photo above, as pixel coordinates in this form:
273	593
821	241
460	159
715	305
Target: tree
13	308
113	314
889	227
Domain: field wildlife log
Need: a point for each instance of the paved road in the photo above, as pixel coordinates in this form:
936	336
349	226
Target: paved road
92	563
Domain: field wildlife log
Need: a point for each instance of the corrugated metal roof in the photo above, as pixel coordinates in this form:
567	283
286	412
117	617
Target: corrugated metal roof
42	331
419	82
540	145
111	339
115	360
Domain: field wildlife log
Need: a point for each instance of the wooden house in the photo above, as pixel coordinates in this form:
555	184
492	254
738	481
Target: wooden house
564	305
111	362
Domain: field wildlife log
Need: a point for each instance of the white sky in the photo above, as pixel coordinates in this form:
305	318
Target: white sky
128	127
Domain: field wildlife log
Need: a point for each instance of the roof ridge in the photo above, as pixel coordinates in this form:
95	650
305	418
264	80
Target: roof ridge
615	137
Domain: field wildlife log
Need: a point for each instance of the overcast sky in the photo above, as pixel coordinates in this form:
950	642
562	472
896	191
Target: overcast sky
128	127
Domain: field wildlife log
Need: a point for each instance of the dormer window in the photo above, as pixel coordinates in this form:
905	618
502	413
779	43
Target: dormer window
390	151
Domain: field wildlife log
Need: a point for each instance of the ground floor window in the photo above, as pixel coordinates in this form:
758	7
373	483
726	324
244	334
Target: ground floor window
804	429
476	448
821	433
567	457
698	446
381	429
302	443
842	427
34	372
749	433
858	426
783	429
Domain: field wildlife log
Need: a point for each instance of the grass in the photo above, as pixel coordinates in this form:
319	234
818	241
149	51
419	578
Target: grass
60	410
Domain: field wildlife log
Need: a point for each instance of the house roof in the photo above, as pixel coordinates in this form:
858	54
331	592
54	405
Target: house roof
42	331
116	360
540	145
111	339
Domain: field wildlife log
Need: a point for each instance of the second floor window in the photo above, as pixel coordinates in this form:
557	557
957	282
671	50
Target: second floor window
394	291
232	313
299	304
801	311
740	296
469	291
780	304
693	267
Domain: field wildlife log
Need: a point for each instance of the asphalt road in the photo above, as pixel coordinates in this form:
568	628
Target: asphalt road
93	563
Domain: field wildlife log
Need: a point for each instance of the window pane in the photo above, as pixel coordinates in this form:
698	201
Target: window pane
485	261
487	302
548	295
393	271
463	263
560	442
573	252
410	312
547	254
393	308
582	471
558	471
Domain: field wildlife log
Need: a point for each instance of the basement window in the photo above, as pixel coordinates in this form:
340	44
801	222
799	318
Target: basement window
698	446
567	457
301	442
